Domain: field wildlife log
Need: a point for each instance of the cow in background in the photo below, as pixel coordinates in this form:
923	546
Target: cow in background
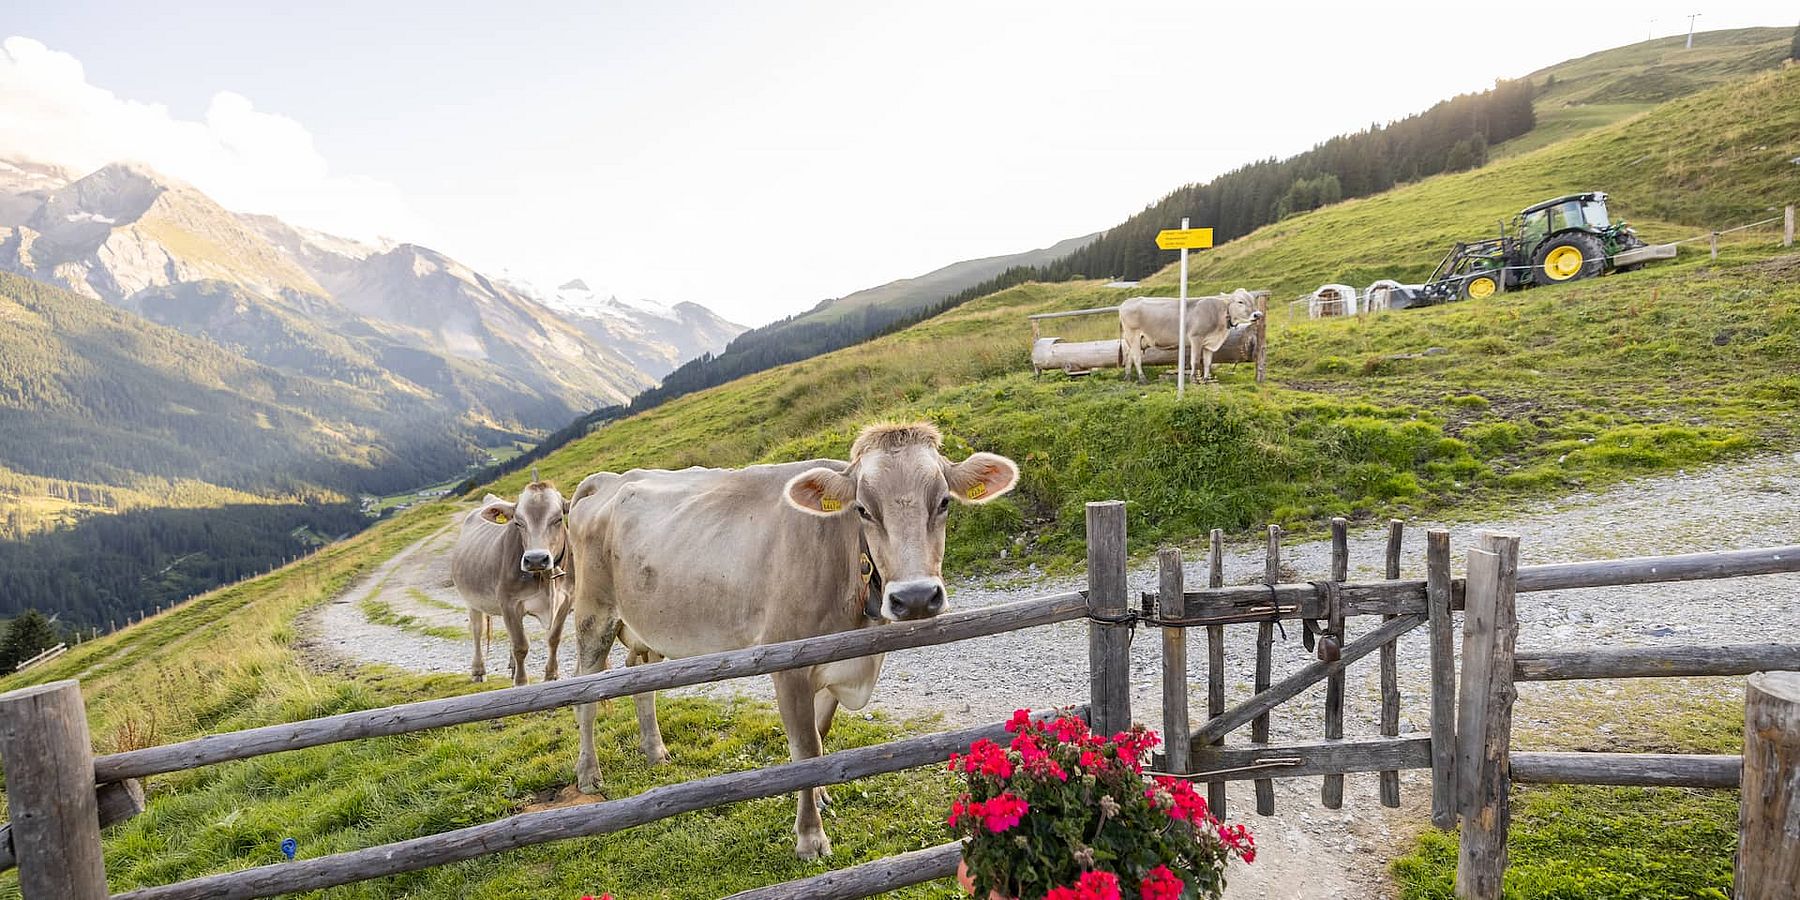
507	562
1155	322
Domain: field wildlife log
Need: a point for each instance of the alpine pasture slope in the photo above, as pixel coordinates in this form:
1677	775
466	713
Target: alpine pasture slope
1535	393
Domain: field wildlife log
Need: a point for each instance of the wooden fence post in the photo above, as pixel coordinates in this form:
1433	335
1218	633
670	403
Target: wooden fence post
1172	603
1715	245
1109	642
1484	727
1265	665
1768	858
1787	226
1443	679
1262	324
1390	673
1215	662
49	762
1331	792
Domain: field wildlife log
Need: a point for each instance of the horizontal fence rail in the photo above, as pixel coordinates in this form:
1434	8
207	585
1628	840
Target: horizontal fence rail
526	829
1653	569
868	879
486	705
1628	769
1306	600
1656	662
1331	757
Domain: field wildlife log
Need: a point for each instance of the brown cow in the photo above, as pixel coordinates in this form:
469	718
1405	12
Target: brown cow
706	560
507	562
1155	321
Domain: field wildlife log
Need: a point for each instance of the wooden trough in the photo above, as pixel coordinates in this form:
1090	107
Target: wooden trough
1246	343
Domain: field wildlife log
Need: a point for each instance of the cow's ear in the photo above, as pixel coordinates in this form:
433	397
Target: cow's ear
821	492
982	477
497	511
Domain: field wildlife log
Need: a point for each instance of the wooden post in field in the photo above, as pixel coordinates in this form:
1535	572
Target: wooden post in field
1443	679
1262	324
50	795
1787	226
1390	673
1215	662
1172	603
1331	794
1265	665
1109	642
1768	858
1715	245
1484	724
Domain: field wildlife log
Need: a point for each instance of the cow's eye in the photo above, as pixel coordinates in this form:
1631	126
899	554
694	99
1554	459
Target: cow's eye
863	511
944	504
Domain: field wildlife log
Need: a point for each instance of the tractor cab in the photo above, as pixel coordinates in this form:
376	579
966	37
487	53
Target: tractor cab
1576	212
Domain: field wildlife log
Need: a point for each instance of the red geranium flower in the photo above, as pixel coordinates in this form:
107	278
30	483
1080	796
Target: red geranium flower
1003	812
1161	884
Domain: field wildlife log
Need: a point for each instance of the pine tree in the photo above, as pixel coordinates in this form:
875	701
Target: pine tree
27	636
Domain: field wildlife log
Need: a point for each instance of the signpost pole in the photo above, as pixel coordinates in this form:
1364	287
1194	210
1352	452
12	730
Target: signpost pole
1181	324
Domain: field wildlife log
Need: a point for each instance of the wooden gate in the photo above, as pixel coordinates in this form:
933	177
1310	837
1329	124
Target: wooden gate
1468	749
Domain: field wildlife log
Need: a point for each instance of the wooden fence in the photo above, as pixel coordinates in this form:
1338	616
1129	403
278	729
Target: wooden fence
60	795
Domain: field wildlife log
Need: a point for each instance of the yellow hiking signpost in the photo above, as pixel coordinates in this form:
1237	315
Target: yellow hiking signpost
1183	239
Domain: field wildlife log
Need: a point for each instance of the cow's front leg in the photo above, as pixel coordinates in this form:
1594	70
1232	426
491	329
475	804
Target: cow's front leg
824	711
514	616
554	639
794	696
1206	364
477	623
594	634
650	738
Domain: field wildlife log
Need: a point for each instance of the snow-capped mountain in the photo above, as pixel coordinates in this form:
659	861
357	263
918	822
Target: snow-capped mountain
657	338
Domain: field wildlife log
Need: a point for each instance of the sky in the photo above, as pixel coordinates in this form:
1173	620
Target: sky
756	158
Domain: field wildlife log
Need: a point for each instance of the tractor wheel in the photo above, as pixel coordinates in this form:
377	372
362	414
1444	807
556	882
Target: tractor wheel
1480	287
1568	257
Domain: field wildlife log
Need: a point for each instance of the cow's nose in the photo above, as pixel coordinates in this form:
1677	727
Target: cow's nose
535	560
917	600
1256	315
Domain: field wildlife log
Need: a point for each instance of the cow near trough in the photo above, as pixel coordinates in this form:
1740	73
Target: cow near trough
508	562
1155	322
698	561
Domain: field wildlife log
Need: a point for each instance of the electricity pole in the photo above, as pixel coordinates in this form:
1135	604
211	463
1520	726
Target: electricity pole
1690	43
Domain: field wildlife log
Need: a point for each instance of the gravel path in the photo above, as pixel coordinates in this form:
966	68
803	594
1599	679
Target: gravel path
1308	851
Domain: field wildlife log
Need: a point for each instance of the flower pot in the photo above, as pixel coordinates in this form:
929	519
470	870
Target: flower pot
968	883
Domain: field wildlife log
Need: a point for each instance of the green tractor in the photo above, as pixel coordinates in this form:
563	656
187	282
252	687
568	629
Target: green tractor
1556	241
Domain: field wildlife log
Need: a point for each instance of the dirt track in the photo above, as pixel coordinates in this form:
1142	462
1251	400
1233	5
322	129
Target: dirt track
1308	851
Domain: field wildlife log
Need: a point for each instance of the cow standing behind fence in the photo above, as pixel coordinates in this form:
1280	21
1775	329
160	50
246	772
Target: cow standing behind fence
680	564
507	562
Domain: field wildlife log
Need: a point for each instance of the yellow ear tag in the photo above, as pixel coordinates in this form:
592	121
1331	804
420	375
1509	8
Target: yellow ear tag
977	489
499	518
829	505
866	567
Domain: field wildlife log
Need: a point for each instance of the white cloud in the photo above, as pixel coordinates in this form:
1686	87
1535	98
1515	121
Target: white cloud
247	160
